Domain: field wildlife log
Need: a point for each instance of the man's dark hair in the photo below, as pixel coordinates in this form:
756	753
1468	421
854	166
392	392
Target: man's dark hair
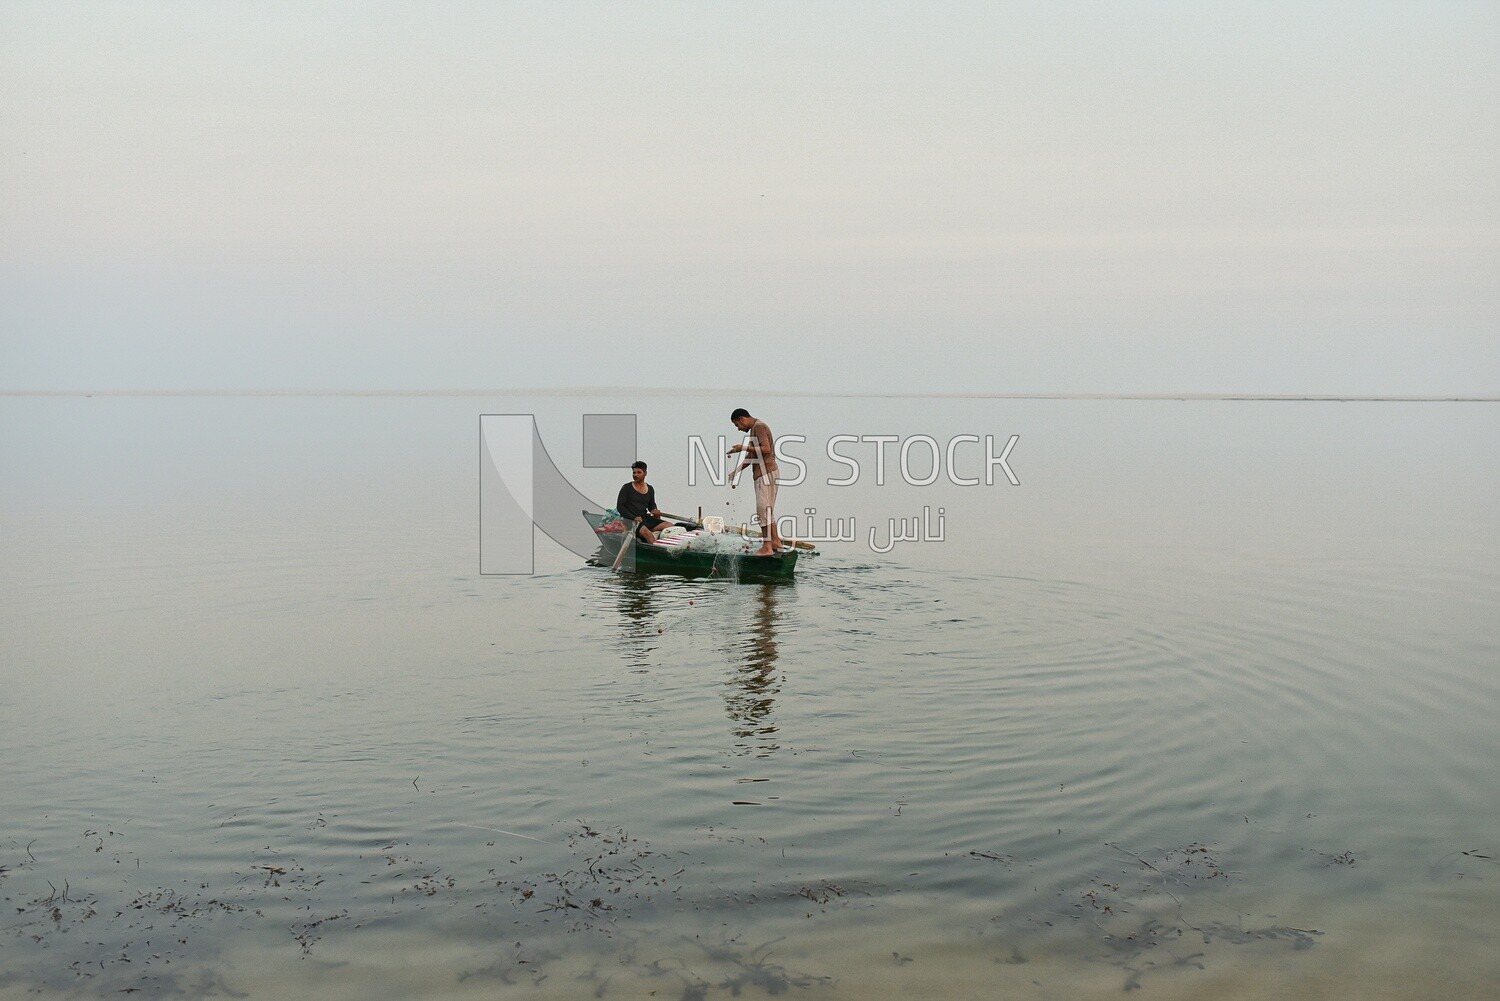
741	412
638	464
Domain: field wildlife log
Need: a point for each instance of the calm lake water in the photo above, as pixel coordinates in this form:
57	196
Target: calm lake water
1205	707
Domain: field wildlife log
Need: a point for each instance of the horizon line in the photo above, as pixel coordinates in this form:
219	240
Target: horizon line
668	391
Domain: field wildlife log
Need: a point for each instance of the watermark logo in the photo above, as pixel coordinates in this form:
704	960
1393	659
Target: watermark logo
922	528
521	487
920	459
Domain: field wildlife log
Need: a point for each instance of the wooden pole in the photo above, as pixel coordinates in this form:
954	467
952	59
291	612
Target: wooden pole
630	530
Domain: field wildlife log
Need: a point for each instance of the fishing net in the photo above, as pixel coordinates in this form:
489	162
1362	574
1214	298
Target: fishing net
719	545
677	542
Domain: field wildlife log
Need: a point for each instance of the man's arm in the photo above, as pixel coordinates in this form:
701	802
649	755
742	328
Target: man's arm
622	500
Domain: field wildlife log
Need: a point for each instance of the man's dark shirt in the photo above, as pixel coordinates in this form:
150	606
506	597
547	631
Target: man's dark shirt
633	504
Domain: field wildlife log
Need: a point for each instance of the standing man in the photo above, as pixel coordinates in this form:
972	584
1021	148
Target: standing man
637	503
760	452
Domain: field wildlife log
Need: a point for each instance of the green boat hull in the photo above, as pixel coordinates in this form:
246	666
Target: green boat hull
659	559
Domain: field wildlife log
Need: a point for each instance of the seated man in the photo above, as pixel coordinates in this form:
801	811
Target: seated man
637	504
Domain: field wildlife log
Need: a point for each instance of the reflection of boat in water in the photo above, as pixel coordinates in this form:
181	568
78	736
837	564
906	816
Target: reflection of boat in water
680	557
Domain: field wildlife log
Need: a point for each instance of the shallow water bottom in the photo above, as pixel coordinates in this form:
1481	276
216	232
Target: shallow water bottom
818	941
1376	965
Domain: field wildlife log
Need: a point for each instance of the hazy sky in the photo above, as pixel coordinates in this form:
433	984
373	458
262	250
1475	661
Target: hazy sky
829	197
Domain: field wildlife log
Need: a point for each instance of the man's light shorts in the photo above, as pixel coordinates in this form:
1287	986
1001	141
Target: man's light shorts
765	500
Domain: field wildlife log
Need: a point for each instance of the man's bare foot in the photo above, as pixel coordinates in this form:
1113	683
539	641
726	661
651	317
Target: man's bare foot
763	551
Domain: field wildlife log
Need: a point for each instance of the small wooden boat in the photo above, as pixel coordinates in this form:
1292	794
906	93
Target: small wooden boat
675	555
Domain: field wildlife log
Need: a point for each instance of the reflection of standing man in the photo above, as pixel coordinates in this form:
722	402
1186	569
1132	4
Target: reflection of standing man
755	685
760	452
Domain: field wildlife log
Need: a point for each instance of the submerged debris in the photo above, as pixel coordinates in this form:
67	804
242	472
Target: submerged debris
1140	916
1141	913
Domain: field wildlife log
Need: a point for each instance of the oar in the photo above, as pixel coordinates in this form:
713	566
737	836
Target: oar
630	530
681	519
